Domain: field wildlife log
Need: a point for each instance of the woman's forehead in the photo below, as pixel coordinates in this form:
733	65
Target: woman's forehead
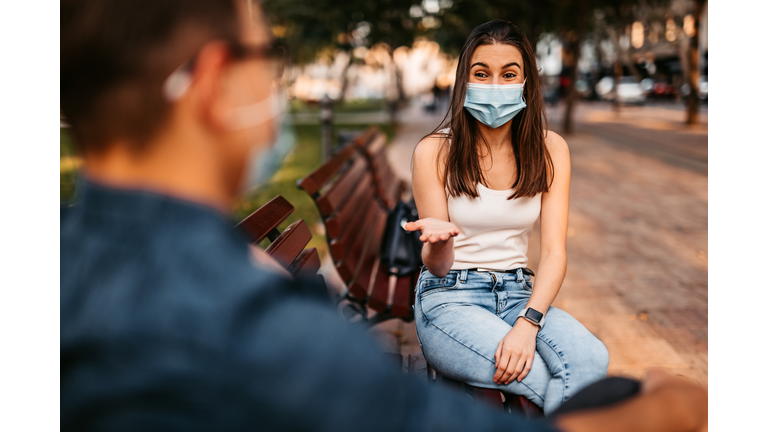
497	55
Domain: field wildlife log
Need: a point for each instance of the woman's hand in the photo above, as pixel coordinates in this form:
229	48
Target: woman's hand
514	356
433	230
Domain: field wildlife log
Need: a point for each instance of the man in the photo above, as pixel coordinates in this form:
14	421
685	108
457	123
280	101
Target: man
166	324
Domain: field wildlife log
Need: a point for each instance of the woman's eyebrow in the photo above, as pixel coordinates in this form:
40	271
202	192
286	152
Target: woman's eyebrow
479	64
511	64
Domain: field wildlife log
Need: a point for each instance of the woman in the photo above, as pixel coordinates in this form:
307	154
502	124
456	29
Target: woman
479	185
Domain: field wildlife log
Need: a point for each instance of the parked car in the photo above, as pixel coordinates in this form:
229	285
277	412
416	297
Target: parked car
583	89
663	90
629	91
647	85
703	90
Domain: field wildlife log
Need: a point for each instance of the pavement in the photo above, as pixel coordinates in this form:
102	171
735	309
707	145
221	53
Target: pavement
637	234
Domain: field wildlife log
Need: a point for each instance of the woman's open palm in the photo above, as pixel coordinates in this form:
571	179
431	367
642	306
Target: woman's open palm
433	230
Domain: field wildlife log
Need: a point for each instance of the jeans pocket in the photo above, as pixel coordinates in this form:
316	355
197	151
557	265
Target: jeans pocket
527	283
430	284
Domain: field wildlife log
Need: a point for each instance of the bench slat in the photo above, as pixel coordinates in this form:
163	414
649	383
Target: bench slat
364	139
356	227
266	218
343	187
376	144
360	286
321	176
363	193
306	264
290	243
348	250
381	287
403	299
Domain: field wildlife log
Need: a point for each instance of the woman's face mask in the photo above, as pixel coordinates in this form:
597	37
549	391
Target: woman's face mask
494	104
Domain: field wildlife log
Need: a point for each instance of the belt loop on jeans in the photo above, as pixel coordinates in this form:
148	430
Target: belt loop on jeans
463	276
519	273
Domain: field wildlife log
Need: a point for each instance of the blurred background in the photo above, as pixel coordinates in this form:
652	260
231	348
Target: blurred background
625	83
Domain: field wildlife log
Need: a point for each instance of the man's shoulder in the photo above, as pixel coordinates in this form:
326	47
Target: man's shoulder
169	282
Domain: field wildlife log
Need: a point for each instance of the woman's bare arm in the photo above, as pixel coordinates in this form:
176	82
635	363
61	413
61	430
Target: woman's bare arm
429	193
515	352
554	225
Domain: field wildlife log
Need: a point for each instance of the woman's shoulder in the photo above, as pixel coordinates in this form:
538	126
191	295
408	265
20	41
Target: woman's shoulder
431	145
555	143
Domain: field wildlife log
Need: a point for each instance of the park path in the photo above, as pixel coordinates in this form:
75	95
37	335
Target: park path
637	235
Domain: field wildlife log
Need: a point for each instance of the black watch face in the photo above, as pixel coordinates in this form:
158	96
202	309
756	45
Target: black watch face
534	315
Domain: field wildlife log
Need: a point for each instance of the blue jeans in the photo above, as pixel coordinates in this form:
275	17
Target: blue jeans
461	318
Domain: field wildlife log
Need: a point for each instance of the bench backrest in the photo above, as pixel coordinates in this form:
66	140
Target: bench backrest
353	191
286	247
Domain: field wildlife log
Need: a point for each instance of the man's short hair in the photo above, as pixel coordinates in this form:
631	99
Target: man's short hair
116	54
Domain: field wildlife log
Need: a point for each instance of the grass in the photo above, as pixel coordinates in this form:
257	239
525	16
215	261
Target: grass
348	106
304	159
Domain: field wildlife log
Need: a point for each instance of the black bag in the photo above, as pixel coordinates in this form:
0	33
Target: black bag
401	249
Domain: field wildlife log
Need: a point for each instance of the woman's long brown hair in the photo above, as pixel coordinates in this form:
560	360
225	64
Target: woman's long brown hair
462	168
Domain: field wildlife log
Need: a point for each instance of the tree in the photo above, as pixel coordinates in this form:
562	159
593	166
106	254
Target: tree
693	65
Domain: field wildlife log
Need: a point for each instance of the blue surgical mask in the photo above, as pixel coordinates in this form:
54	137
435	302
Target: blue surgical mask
494	104
266	158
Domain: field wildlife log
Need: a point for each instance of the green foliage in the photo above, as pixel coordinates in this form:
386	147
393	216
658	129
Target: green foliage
309	27
347	106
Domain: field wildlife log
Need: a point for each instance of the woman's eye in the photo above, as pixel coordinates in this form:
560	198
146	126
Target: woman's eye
509	75
480	75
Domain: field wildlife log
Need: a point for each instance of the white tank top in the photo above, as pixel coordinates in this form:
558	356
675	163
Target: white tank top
494	231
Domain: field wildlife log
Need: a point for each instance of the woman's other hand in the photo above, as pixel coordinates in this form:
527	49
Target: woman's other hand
433	230
514	355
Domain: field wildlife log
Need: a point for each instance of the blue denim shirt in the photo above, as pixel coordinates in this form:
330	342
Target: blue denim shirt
167	325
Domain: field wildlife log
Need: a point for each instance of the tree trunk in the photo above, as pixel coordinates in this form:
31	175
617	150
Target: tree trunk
693	66
570	98
345	79
576	43
618	71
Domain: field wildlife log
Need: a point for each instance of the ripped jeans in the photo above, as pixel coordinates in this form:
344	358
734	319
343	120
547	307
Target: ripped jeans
461	318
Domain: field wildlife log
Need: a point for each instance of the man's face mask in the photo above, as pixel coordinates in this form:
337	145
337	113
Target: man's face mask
265	157
494	104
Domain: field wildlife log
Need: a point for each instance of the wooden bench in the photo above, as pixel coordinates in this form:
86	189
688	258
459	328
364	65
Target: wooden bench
354	190
287	247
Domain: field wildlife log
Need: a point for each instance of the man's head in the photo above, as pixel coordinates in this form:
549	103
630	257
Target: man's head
117	57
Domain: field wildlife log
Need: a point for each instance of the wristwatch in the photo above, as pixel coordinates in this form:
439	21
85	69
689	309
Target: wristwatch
533	316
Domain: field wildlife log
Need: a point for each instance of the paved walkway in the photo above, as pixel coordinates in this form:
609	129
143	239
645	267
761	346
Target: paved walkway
637	235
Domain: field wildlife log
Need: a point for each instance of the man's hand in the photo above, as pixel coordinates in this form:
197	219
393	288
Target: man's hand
666	403
514	355
691	397
433	230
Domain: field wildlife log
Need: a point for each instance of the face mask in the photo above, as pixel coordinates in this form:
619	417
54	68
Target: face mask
494	104
265	159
